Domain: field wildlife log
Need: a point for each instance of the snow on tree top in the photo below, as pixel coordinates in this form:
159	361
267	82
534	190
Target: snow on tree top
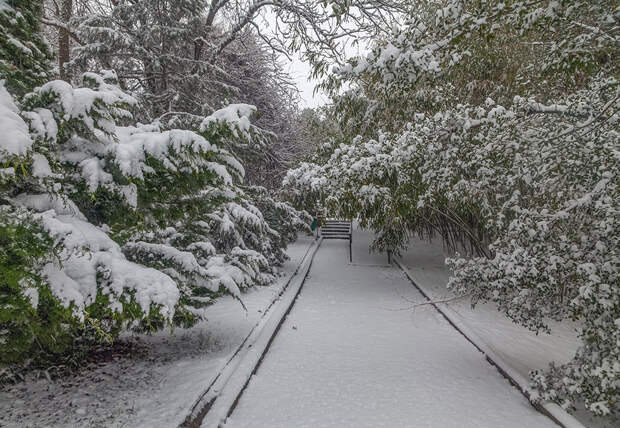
234	114
44	202
134	143
80	103
89	253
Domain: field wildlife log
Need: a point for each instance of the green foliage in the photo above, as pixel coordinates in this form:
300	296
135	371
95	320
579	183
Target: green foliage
33	325
24	54
280	216
36	329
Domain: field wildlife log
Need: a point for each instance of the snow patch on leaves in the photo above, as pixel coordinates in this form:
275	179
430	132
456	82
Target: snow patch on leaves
15	139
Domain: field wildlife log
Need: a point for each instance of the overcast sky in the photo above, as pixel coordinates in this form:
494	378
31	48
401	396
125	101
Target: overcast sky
300	72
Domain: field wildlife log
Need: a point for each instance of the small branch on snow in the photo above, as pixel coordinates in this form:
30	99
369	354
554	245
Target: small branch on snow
417	304
434	302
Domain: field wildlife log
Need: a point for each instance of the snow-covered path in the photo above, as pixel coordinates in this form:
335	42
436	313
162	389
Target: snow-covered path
349	356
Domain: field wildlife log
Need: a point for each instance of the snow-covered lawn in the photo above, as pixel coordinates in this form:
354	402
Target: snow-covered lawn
154	389
348	355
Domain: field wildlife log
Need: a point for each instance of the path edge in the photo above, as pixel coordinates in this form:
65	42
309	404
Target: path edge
553	411
221	397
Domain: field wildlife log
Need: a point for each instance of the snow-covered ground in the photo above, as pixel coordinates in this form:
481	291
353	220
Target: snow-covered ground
351	354
522	349
153	389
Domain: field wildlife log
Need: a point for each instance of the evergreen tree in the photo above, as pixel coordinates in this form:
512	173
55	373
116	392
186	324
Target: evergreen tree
107	224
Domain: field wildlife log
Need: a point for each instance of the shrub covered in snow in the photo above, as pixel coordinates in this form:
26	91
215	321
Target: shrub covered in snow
512	160
281	216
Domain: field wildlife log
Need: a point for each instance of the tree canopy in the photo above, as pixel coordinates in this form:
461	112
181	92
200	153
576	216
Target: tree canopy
494	126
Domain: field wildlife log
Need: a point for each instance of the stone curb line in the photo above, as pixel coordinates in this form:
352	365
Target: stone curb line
551	410
221	397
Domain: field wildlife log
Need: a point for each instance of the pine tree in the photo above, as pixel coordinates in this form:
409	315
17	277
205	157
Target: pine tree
107	224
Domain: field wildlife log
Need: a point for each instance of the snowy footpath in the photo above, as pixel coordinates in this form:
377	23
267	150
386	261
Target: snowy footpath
353	354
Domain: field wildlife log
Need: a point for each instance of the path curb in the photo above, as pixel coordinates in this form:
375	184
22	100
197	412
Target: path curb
221	397
556	413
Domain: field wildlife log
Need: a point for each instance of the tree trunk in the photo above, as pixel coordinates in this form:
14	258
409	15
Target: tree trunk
64	42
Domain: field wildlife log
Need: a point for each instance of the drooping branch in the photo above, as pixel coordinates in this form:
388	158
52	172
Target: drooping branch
240	25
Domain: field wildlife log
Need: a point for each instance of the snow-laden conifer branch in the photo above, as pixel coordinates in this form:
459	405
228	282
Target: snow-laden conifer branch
131	226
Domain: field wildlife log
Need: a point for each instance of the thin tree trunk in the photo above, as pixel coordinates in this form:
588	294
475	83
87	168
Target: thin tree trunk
64	41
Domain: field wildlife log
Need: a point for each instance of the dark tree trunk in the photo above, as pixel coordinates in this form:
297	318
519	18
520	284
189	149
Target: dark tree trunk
64	42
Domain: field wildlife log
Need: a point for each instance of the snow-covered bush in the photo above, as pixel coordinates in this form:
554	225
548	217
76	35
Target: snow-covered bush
495	126
75	276
150	224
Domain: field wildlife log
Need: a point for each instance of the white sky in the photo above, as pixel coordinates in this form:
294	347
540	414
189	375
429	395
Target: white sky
300	72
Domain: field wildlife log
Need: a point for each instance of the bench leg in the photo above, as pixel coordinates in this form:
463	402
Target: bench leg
350	250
